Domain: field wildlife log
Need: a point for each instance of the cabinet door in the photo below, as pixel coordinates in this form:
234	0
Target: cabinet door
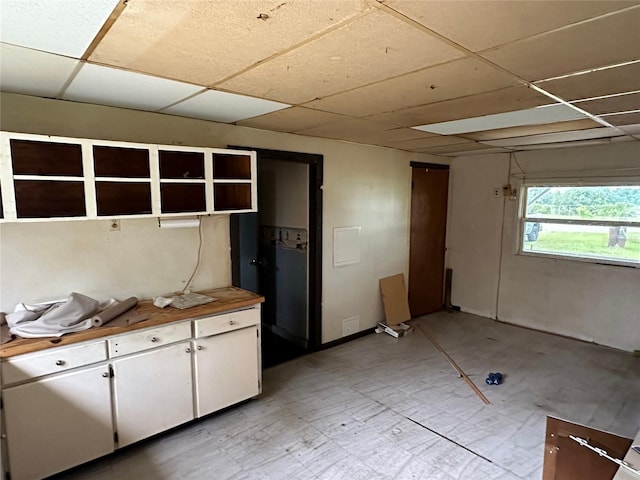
227	369
152	392
58	422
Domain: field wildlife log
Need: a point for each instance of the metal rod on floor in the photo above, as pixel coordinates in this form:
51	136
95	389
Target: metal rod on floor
454	365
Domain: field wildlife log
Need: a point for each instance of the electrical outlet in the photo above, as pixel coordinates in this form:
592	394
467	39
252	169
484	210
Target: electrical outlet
496	192
114	226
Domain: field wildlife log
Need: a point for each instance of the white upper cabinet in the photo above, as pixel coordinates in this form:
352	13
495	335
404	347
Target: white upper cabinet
45	178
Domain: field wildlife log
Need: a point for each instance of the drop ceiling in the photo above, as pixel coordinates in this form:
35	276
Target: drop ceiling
441	77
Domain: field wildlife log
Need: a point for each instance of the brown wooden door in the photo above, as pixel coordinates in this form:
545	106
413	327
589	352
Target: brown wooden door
429	193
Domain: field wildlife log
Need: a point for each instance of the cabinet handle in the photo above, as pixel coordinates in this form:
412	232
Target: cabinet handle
188	350
199	347
105	374
154	339
60	362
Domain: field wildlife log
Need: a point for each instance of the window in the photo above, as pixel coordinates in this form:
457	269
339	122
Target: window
599	223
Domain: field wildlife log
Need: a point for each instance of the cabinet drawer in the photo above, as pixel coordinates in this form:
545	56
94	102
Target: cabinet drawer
31	365
227	322
148	338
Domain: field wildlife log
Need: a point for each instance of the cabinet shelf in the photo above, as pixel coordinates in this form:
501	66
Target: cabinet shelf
175	164
120	198
232	196
121	162
44	199
60	178
46	158
229	166
183	197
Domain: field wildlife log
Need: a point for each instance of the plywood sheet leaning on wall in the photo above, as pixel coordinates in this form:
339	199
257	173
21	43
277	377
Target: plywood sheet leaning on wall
394	298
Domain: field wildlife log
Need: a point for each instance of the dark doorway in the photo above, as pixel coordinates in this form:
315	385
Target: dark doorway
429	194
277	252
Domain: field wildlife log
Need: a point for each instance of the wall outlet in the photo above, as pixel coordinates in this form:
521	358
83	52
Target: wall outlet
497	192
350	326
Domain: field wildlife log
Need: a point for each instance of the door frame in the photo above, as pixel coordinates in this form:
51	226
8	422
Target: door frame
314	293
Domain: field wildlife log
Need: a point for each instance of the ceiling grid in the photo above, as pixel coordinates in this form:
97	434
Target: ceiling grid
365	71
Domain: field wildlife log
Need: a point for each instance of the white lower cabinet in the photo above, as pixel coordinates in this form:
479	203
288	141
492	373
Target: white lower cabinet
65	406
152	392
58	422
227	369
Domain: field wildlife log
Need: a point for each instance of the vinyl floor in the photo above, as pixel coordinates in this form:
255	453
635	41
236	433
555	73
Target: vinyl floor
383	408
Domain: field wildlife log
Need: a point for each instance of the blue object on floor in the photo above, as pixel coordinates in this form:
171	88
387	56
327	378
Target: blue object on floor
494	379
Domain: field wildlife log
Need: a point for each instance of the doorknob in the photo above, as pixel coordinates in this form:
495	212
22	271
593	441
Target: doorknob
256	263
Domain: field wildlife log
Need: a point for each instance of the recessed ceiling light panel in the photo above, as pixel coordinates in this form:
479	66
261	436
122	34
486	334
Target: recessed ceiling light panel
224	107
531	116
121	88
63	27
31	72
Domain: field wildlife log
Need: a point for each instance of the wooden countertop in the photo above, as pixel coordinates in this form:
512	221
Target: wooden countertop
229	298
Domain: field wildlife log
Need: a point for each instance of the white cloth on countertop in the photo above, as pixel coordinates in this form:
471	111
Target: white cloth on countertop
53	319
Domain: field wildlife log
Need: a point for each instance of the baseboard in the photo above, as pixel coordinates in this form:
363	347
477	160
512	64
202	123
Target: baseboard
346	339
281	332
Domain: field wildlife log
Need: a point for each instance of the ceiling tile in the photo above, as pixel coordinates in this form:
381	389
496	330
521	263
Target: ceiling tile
466	147
498	101
31	72
120	88
291	119
575	143
631	129
66	28
625	78
532	130
602	132
531	116
401	134
480	25
606	41
354	129
619	103
372	48
630	118
205	42
476	151
434	141
223	107
452	80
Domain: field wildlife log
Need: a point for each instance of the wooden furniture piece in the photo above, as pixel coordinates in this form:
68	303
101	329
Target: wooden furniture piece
565	459
61	178
109	387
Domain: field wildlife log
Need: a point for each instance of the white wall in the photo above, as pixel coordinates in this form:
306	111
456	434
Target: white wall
284	193
367	186
591	302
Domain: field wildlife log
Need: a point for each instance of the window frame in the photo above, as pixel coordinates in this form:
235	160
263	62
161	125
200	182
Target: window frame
523	219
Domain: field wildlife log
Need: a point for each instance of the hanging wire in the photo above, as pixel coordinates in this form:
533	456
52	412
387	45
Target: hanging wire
195	270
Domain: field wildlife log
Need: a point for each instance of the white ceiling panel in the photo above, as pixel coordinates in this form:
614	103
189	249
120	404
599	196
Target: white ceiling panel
64	27
120	88
602	132
31	72
224	107
532	116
